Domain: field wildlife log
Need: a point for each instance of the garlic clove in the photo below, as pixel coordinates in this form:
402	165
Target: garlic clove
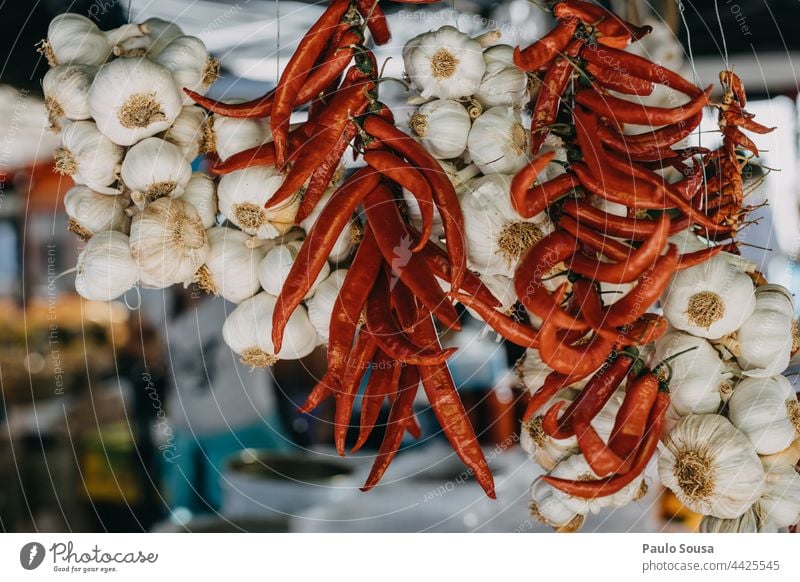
90	212
751	521
105	268
201	192
74	39
503	83
227	135
442	125
274	268
498	142
88	157
186	131
765	338
156	168
231	267
243	194
780	502
547	508
133	98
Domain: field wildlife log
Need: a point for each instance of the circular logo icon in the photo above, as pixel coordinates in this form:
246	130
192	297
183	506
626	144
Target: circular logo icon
31	555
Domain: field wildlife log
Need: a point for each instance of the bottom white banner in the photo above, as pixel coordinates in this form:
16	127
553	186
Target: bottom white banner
390	557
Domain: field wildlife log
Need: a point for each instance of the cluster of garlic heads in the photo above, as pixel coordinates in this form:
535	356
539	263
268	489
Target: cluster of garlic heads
471	100
129	137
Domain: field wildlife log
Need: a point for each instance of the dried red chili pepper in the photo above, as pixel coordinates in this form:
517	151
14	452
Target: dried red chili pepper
631	420
318	395
619	226
316	248
357	364
687	260
618	81
262	155
436	260
297	71
606	21
592	489
601	459
546	48
623	111
371	11
613	249
617	187
514	331
524	180
383	380
539	197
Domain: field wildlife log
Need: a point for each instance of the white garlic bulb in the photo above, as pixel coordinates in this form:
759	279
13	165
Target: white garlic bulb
444	63
155	168
201	192
765	338
168	242
547	508
274	268
90	212
711	466
230	135
248	332
158	35
133	98
74	39
696	373
320	306
89	157
105	268
751	521
442	126
780	502
231	267
186	131
191	66
496	235
503	83
709	300
767	411
498	142
543	448
576	467
242	195
532	370
66	92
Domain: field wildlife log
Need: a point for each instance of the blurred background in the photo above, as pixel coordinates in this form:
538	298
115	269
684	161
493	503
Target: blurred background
134	415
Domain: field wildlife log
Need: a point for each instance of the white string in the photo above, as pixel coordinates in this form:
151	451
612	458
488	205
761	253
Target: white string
278	41
722	34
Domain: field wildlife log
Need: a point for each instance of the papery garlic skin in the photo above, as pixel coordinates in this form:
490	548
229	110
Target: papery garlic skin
66	93
751	521
498	142
320	306
201	192
89	157
709	300
503	83
243	194
442	127
576	467
229	135
711	466
547	508
133	98
348	238
191	66
541	447
158	35
444	63
74	39
155	168
231	268
696	373
765	338
780	502
496	235
186	131
168	242
532	370
90	212
274	268
105	267
767	411
248	332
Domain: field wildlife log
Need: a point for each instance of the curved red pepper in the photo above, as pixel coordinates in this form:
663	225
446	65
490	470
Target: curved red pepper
514	331
546	48
539	197
524	180
623	111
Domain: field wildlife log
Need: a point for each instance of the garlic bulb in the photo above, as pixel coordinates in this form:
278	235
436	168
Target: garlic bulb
274	268
191	66
696	373
186	131
228	135
348	238
242	195
159	34
576	467
547	508
503	290
496	235
155	168
503	83
74	39
320	306
444	63
751	521
90	212
133	98
555	144
780	502
498	142
88	157
248	332
765	338
767	411
711	466
541	447
231	267
442	126
201	192
105	268
709	300
66	92
532	370
168	242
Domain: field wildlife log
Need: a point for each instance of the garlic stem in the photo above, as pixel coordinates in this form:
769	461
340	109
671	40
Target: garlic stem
489	38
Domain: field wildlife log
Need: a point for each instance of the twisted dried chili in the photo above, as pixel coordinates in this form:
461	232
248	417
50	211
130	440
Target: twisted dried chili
624	111
537	198
619	226
514	331
524	180
546	48
383	380
631	420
